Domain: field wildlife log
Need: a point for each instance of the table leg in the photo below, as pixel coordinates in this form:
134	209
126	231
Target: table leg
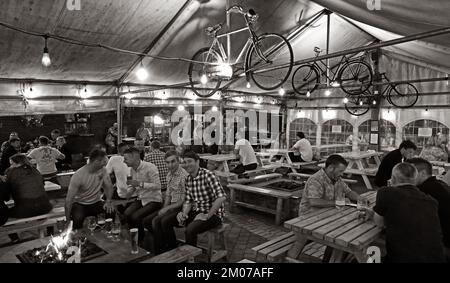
279	211
377	160
225	167
337	256
297	247
232	198
365	178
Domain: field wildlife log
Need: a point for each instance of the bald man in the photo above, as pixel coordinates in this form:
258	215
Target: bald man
413	230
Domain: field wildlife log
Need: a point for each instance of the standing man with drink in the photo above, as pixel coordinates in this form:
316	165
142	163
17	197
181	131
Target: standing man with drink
205	191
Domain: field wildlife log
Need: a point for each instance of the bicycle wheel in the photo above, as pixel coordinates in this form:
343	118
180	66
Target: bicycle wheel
198	70
277	50
354	107
403	95
355	77
305	79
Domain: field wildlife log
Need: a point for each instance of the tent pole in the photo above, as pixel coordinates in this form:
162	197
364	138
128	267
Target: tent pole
328	47
119	117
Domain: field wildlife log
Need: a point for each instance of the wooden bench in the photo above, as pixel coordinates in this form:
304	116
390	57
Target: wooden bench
185	253
278	194
264	169
301	175
259	178
218	232
39	223
275	251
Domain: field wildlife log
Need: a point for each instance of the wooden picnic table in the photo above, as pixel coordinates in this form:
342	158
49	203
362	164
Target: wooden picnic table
117	252
340	229
223	159
355	159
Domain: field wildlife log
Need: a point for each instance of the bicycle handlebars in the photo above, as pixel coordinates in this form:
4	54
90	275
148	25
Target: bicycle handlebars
239	10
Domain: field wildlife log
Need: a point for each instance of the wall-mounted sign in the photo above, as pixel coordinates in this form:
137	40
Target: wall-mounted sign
373	138
425	132
336	129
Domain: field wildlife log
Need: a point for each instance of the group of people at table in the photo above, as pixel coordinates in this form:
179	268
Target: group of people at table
412	205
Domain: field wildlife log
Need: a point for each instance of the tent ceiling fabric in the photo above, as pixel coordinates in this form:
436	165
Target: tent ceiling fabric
134	25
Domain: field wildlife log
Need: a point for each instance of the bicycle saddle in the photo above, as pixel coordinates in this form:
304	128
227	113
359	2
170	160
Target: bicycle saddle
213	30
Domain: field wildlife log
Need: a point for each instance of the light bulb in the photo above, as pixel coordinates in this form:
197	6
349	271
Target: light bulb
46	61
282	91
327	93
214	109
142	73
361	103
374	102
308	94
345	100
335	84
225	70
181	108
249	85
204	79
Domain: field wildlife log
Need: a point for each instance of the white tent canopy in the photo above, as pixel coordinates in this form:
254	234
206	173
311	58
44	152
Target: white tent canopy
175	29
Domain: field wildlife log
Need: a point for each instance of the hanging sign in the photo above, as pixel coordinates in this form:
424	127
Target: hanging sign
336	129
425	132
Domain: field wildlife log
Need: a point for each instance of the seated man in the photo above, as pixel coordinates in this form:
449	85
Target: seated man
145	182
302	150
120	170
85	190
156	157
46	158
204	204
173	202
440	191
405	151
322	187
413	230
247	155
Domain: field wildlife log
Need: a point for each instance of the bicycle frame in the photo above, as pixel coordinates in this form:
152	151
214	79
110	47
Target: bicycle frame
251	40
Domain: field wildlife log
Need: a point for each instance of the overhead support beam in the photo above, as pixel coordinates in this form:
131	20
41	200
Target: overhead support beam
417	62
164	37
404	39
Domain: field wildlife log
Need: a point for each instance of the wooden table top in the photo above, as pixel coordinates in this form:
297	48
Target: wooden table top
339	227
117	252
358	155
220	157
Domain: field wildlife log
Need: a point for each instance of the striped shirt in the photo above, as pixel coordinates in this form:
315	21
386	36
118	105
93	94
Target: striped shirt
203	190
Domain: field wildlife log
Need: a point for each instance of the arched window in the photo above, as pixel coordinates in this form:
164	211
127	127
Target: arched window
307	126
387	133
336	131
422	132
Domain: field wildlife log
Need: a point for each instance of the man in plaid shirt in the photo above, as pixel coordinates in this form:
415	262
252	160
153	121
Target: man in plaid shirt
203	208
156	156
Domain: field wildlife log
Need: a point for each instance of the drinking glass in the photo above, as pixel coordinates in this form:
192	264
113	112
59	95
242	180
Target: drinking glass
340	199
101	220
91	224
108	227
134	240
116	229
362	205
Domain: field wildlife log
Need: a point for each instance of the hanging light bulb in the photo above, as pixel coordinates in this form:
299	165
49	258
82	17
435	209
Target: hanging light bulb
361	103
181	108
214	109
327	93
335	84
374	102
248	85
142	73
308	94
345	100
225	70
204	79
282	91
46	61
